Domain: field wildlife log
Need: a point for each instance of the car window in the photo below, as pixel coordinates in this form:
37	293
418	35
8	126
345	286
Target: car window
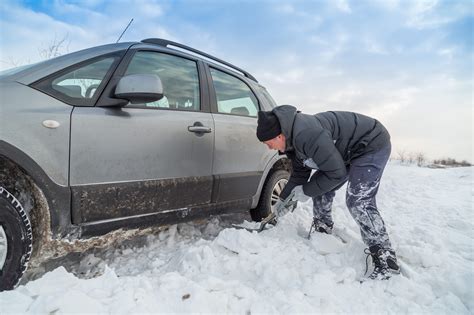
83	82
179	77
78	85
233	95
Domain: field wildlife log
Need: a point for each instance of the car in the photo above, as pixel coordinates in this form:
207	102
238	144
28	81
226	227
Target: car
126	136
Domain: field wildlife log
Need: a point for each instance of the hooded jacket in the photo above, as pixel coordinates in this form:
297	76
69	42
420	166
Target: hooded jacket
326	142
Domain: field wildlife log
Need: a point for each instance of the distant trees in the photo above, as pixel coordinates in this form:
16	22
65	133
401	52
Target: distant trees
402	155
420	159
451	162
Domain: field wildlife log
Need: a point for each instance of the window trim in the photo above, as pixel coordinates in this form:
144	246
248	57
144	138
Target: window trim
213	93
44	85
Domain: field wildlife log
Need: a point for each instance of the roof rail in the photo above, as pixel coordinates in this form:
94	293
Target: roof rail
166	43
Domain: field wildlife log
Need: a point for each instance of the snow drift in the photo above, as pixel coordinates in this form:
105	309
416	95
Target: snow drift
209	267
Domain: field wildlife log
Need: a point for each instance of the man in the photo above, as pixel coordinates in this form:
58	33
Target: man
340	147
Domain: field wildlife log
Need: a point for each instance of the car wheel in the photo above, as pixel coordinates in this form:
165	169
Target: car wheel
15	240
270	193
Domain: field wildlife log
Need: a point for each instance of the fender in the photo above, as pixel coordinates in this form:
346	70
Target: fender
270	164
58	197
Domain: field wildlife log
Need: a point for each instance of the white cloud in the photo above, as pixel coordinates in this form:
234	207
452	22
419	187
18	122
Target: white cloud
24	39
374	47
20	28
342	5
336	46
429	14
90	3
316	39
285	8
387	4
425	114
448	53
64	8
150	9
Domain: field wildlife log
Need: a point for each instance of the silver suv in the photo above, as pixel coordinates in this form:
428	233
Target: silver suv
125	136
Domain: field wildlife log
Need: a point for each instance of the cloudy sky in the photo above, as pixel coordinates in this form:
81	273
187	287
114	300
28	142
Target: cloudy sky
407	63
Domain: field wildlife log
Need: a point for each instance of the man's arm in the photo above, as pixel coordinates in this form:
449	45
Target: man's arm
299	175
320	147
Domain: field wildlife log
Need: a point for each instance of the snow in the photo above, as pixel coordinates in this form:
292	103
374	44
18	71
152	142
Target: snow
210	267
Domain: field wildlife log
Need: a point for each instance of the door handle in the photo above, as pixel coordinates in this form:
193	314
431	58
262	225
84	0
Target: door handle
199	129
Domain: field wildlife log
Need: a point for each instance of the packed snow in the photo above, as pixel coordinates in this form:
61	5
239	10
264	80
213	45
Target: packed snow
211	267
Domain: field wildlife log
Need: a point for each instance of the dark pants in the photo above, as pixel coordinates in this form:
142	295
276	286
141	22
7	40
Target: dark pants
364	174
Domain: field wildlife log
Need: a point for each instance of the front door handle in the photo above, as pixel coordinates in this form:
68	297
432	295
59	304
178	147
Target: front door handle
199	129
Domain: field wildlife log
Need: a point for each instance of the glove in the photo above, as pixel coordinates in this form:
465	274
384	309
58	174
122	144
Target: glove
300	195
281	208
278	208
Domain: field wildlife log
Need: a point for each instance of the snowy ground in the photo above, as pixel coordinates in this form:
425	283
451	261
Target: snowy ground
210	268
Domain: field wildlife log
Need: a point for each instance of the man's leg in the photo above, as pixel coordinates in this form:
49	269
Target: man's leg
322	211
365	173
364	179
322	208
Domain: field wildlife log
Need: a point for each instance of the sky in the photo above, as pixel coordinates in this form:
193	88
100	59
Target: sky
407	63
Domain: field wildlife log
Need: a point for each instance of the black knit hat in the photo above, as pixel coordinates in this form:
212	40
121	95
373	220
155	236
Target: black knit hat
268	126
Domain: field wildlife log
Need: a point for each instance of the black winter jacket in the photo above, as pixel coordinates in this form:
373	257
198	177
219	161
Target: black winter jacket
326	142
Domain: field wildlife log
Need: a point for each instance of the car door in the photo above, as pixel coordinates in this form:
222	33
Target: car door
239	158
144	158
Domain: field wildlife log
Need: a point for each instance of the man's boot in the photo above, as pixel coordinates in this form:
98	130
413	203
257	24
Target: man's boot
321	227
384	261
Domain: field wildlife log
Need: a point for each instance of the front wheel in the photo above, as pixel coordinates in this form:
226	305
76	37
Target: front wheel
15	240
270	194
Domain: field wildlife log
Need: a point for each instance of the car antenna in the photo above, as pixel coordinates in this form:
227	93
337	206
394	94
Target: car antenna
124	30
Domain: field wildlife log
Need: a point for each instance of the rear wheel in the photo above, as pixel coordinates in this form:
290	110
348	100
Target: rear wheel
15	240
270	194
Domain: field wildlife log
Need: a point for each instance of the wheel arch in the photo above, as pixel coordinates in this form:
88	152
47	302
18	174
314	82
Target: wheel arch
277	162
24	176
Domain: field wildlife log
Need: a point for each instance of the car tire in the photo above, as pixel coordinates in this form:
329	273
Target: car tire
16	240
270	193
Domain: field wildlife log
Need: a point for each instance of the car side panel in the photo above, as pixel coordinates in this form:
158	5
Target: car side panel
22	113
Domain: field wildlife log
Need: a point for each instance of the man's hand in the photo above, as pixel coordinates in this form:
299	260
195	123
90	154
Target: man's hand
278	207
283	206
300	195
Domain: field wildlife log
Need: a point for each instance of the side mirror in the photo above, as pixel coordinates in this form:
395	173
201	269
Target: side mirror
140	88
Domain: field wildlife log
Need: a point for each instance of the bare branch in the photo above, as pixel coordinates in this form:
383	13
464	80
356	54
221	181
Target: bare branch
402	155
420	159
55	48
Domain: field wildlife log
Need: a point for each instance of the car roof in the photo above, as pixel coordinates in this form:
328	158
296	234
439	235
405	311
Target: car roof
34	72
166	43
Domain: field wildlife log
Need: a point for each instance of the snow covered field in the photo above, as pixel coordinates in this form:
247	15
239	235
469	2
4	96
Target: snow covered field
208	267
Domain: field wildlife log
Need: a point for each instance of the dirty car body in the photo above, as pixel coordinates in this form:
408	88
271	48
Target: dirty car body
101	162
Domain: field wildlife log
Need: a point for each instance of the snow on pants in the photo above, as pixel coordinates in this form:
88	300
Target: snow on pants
364	174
